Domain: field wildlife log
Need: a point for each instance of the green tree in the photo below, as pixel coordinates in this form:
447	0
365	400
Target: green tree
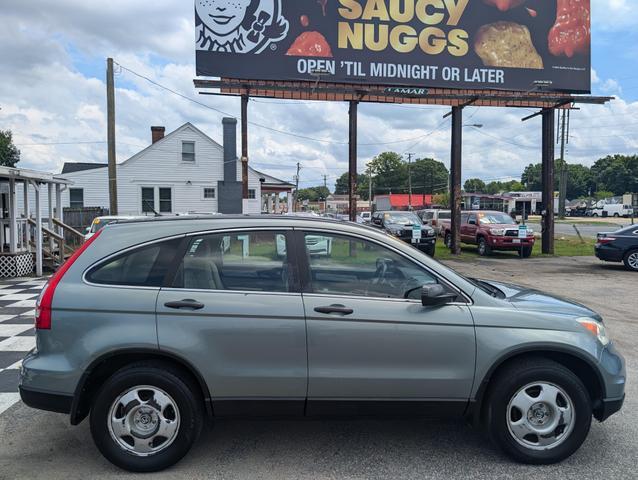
474	185
579	178
9	153
442	199
342	188
616	173
429	176
313	194
390	173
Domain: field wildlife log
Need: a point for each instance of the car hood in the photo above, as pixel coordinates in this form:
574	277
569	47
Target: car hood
499	225
399	226
524	298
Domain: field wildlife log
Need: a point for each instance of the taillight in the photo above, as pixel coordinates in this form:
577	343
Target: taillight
604	240
45	300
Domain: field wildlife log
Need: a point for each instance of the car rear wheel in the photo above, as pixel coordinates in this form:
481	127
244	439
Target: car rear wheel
483	248
146	417
631	260
538	412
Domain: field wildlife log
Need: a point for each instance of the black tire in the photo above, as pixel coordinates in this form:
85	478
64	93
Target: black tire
616	215
629	260
448	240
594	215
171	381
510	381
430	250
525	252
483	248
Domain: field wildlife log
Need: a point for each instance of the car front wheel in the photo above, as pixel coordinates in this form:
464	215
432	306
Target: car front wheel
483	248
539	412
146	417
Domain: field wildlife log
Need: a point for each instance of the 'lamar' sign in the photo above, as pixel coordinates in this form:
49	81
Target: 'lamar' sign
494	44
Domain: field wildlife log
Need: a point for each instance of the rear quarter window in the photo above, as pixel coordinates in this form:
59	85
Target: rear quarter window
141	267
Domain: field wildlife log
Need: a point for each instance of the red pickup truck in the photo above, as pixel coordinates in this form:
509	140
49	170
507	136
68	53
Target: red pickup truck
491	230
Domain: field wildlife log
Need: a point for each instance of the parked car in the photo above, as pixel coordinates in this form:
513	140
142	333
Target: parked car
492	230
154	327
100	222
366	216
408	227
619	246
613	210
434	218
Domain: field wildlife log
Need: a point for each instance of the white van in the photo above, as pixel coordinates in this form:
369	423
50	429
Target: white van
613	210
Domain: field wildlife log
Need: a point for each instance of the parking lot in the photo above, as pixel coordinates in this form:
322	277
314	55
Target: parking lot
36	444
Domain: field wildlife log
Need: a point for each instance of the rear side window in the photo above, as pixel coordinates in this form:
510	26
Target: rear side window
142	267
445	215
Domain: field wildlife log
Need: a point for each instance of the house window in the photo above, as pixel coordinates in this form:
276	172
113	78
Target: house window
148	200
188	151
252	194
76	196
166	200
209	193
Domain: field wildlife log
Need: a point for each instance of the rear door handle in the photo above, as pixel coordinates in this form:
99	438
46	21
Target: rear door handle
341	309
185	304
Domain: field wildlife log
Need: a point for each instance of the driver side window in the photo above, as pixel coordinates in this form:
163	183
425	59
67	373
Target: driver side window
341	265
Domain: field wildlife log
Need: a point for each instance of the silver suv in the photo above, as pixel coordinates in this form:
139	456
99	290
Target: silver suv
155	327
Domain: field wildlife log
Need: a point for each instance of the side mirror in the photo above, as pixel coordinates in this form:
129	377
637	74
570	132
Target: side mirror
87	229
435	295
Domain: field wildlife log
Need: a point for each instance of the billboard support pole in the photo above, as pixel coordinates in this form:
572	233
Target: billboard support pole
352	161
548	182
455	179
244	146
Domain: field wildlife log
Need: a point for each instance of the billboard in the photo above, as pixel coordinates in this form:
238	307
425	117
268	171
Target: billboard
475	44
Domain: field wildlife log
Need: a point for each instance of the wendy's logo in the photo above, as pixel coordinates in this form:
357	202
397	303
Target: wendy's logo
238	26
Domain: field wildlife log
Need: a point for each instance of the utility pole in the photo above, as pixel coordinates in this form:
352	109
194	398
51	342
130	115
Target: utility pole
352	160
370	188
410	181
562	188
244	146
294	198
110	108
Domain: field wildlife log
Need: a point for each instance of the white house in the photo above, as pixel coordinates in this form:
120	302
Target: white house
184	171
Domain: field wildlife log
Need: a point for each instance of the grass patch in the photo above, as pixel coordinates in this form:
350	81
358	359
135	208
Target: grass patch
563	247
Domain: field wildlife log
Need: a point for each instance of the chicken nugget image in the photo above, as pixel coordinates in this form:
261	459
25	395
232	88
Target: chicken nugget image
508	45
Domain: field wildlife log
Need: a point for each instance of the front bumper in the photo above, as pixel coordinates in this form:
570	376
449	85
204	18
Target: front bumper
510	243
608	407
614	376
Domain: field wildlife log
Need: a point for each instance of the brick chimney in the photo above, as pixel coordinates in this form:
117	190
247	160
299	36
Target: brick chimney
230	190
157	133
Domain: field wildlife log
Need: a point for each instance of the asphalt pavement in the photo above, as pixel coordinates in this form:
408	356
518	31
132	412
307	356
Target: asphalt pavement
35	444
586	230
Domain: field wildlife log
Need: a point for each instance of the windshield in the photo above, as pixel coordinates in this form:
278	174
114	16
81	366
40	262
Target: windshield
496	219
98	224
403	218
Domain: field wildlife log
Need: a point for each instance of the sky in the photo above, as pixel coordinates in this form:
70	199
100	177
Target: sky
53	97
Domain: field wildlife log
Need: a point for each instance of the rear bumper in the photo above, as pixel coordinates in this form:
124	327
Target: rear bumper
51	402
608	253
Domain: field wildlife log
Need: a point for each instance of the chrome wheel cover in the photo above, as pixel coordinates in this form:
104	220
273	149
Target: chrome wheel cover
144	420
540	416
632	260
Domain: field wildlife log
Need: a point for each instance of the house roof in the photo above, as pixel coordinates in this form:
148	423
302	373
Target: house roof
72	167
269	180
398	200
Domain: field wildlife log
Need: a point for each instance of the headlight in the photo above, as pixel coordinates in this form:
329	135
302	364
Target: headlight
595	328
499	232
530	231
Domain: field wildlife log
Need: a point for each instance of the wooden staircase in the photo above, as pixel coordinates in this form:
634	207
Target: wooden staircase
55	250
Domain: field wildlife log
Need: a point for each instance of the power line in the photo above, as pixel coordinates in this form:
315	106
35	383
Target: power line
255	124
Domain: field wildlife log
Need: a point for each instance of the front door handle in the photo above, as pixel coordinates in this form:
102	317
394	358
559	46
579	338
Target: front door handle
185	304
340	309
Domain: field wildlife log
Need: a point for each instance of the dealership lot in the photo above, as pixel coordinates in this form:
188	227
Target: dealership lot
37	444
